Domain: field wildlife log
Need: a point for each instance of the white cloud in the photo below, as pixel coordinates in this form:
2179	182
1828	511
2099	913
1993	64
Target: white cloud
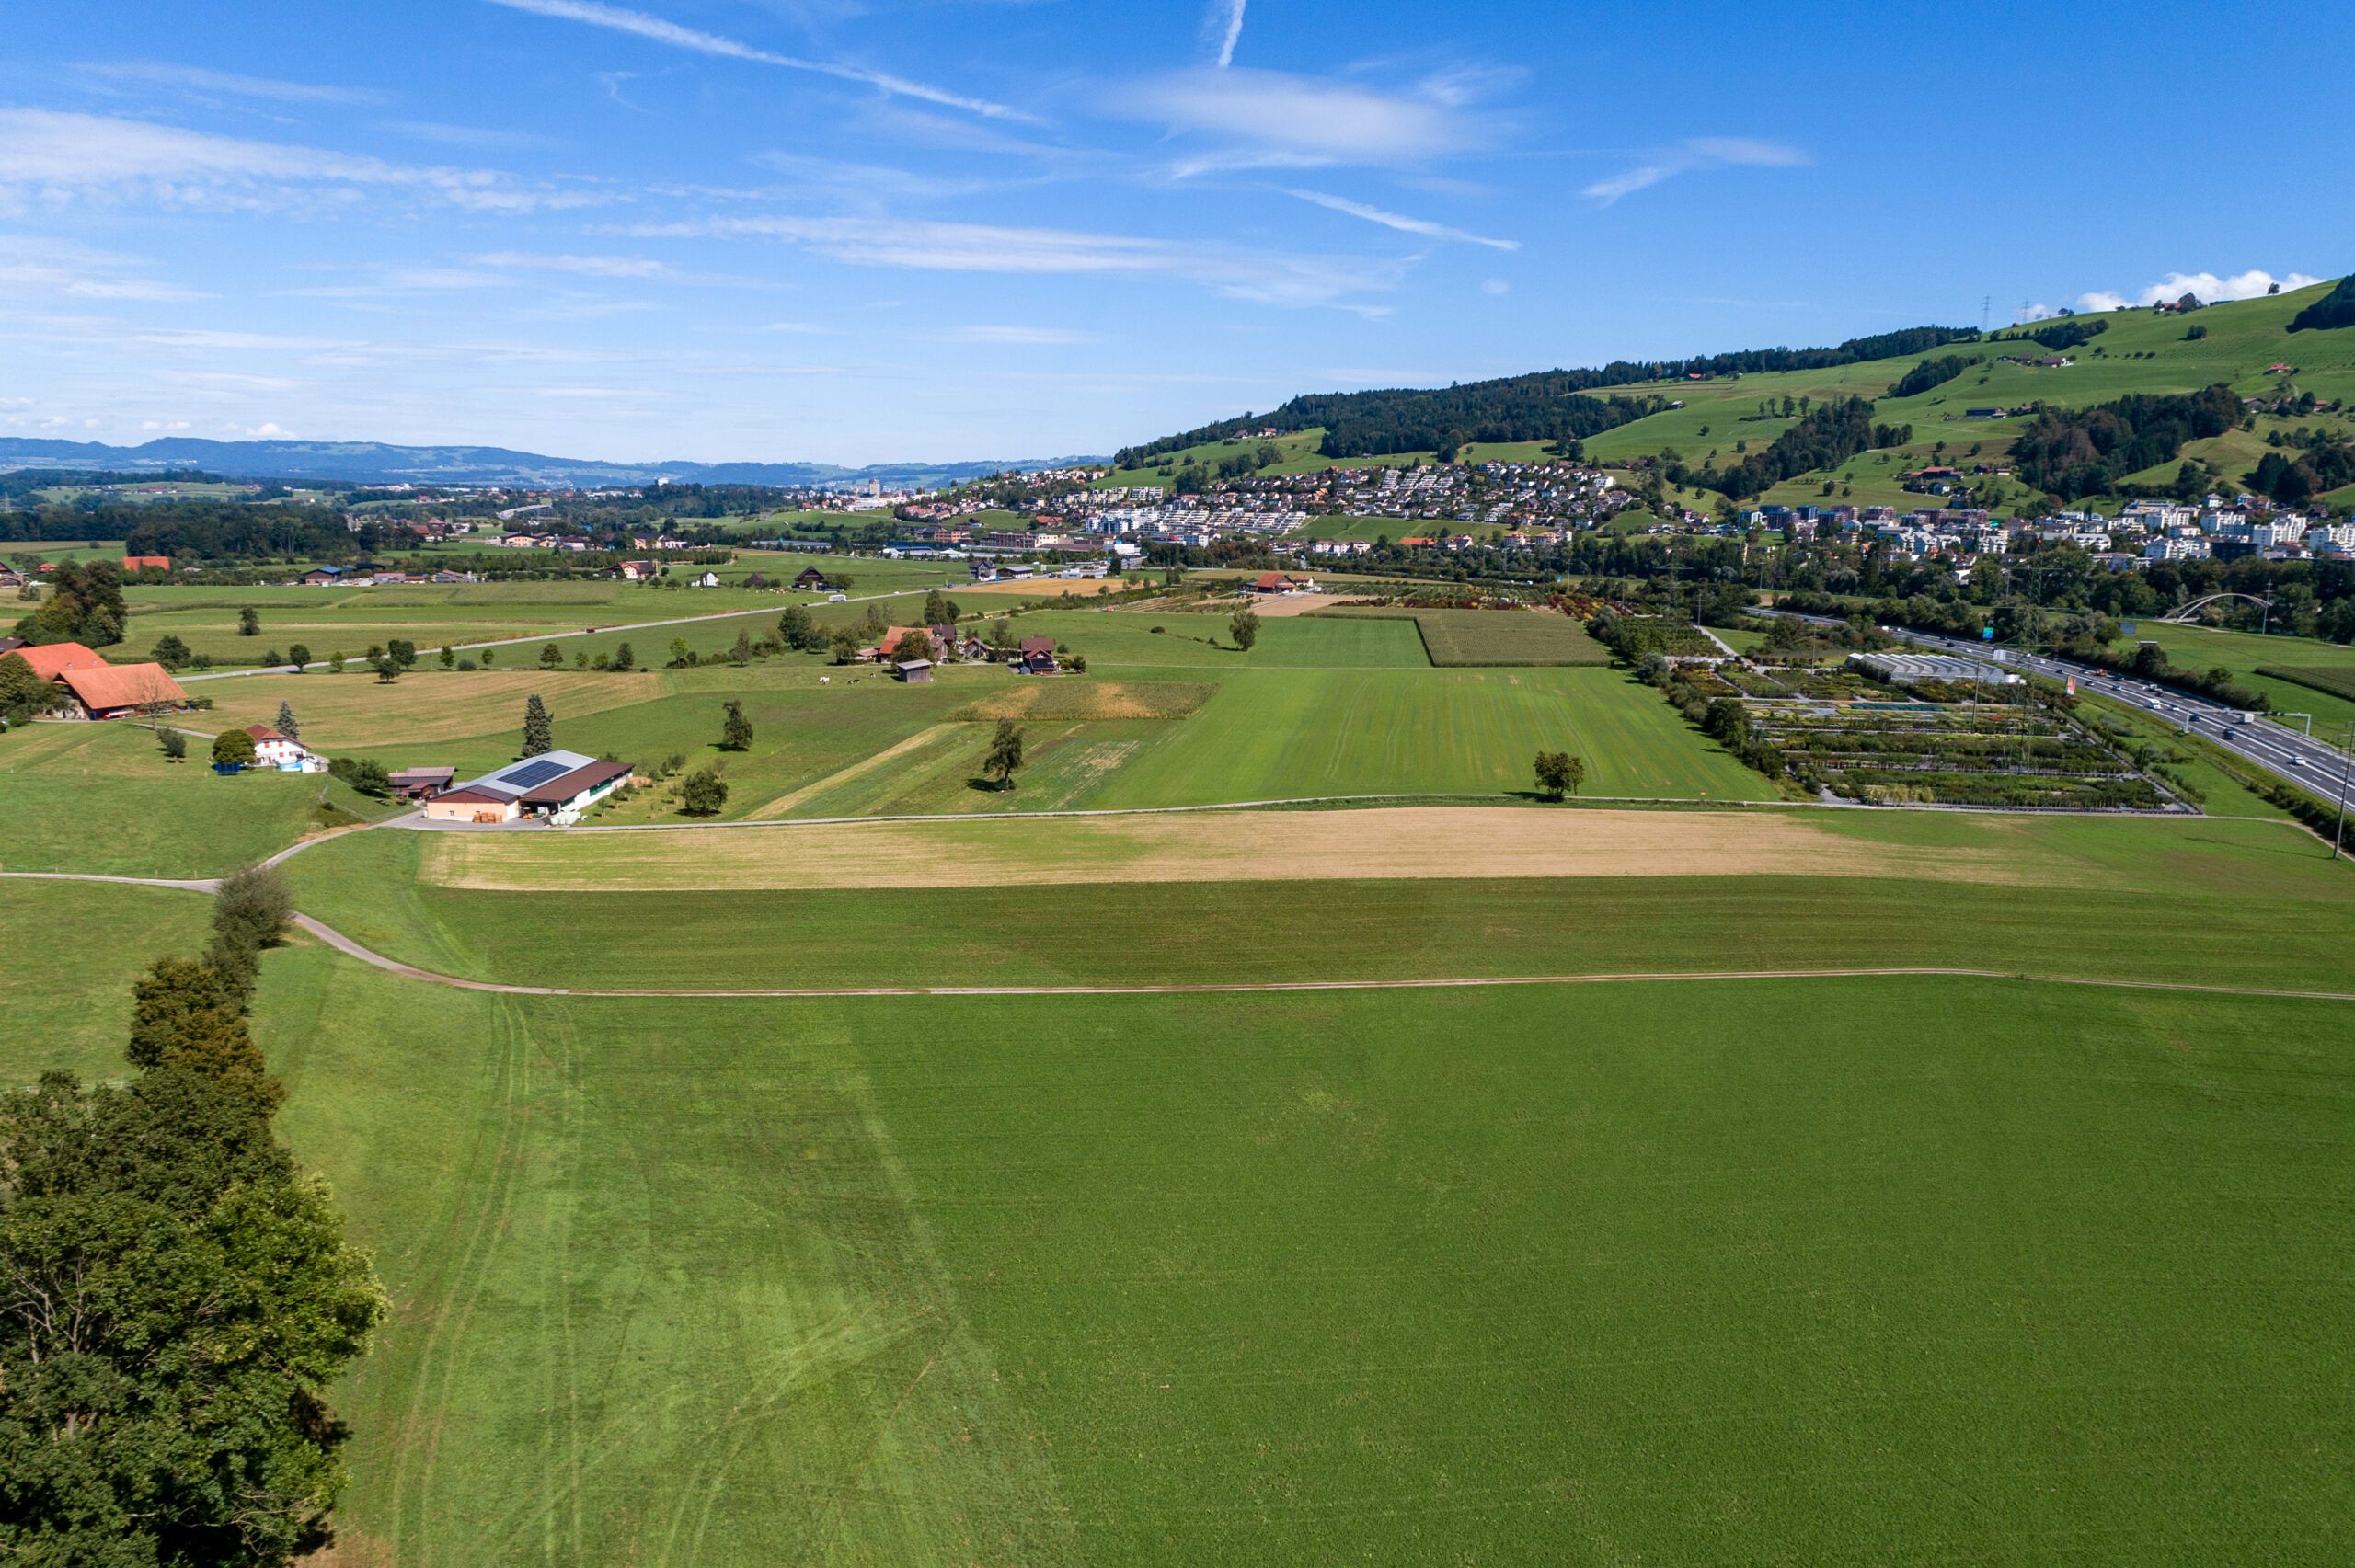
56	155
1496	286
30	264
471	136
1397	221
1271	277
1225	23
2210	288
1018	334
643	26
202	80
588	266
1282	120
2037	313
1697	152
164	424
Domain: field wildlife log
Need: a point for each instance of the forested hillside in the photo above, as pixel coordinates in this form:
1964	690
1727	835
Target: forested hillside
1547	406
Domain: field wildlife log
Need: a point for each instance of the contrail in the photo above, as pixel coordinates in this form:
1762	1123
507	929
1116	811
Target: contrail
1233	30
602	16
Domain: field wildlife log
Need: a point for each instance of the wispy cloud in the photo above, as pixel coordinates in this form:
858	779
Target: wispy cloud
29	265
587	265
1699	153
2207	286
1399	221
1275	118
597	14
58	155
1018	334
471	136
1274	277
201	80
1224	25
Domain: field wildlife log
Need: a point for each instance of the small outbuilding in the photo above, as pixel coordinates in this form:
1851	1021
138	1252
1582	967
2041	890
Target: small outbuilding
417	783
915	671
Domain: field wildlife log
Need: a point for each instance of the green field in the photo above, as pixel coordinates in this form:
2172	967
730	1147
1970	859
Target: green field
102	798
2179	900
2245	653
1493	638
1823	1270
1714	1275
1269	736
2336	680
350	620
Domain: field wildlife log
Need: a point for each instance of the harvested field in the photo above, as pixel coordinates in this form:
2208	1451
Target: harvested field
1410	843
1081	698
356	709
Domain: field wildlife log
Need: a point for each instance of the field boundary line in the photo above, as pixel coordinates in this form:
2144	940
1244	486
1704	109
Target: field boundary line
860	769
345	944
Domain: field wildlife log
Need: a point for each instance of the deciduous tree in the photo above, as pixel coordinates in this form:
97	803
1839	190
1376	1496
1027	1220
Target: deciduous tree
233	746
703	793
736	730
1005	757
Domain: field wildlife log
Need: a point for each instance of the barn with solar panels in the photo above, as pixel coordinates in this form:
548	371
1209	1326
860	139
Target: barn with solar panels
554	783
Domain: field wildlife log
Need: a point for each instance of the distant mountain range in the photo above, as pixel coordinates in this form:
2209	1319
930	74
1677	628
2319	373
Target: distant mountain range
375	462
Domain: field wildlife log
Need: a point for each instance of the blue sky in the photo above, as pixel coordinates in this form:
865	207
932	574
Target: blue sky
954	229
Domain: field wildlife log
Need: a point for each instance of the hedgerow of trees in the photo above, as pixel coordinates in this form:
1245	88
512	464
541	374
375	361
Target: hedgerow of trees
175	1296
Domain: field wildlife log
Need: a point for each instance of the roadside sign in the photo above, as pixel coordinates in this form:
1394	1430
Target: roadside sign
2127	627
1987	633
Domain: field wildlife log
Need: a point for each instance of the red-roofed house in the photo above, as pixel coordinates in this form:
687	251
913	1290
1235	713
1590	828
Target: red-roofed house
1280	582
56	658
283	752
110	691
919	643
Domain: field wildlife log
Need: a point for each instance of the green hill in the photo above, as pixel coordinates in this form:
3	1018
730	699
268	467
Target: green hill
1733	412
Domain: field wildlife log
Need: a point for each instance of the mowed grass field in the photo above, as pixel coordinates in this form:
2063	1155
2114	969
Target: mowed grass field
1834	1272
2189	899
2243	653
1462	639
102	798
1845	1270
1290	736
328	619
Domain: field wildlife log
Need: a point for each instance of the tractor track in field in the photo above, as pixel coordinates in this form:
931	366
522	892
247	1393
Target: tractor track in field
346	945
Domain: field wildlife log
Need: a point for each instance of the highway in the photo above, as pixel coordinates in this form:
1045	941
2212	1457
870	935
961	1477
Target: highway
2312	764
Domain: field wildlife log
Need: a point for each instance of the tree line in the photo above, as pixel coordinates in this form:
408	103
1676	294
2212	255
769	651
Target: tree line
175	1296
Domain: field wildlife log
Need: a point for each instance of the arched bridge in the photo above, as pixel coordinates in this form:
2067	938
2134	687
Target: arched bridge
2184	613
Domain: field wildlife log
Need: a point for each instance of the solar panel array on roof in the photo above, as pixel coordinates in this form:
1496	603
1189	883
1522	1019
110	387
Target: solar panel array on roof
537	772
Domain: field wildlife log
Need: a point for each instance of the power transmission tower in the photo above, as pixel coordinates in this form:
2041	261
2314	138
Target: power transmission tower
1986	305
